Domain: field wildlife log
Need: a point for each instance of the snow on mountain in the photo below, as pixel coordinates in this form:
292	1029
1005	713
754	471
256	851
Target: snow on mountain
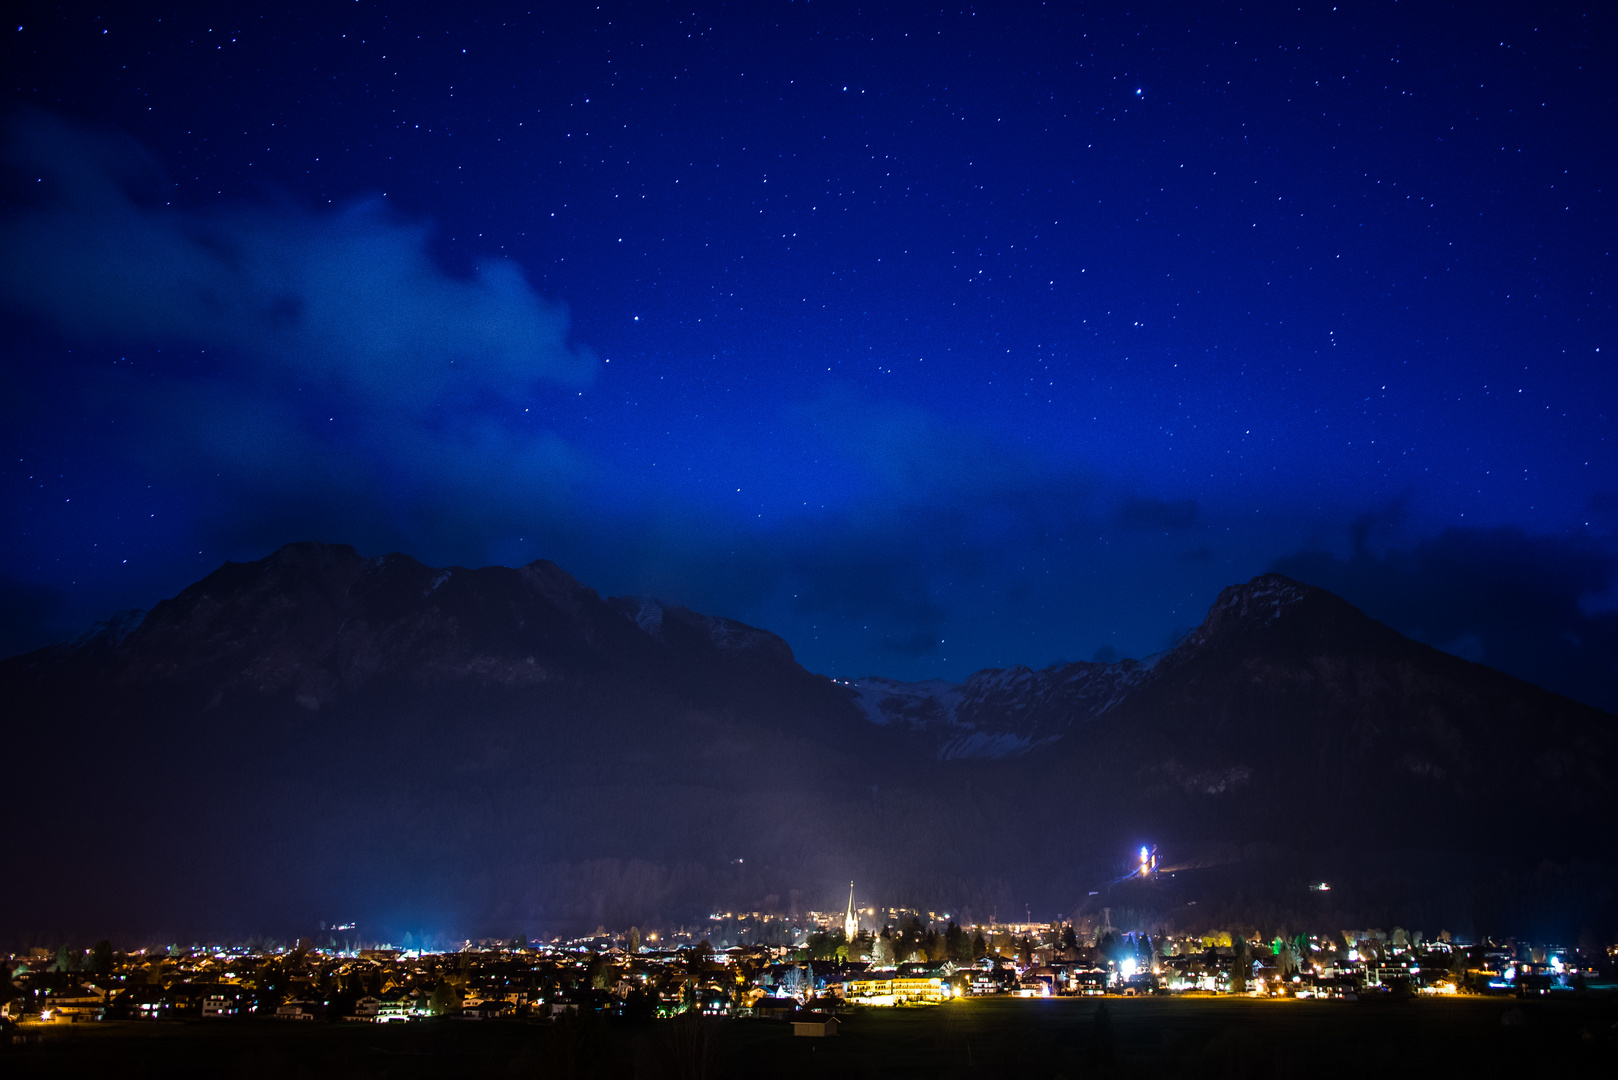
727	635
918	705
1257	603
998	712
1007	712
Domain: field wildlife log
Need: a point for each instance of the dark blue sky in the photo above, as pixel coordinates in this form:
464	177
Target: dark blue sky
930	339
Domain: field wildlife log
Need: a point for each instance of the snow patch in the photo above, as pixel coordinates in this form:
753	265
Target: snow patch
649	616
732	636
980	745
913	705
109	633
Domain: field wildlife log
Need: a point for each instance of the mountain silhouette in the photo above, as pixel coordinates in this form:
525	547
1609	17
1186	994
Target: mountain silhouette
319	736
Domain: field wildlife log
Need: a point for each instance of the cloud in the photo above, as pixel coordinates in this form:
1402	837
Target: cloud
332	382
1518	602
908	453
349	300
289	374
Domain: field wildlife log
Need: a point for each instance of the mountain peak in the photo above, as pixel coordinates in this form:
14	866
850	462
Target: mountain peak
310	555
1275	612
1263	600
515	725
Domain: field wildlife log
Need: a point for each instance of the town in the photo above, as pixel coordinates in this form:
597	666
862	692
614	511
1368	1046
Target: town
806	969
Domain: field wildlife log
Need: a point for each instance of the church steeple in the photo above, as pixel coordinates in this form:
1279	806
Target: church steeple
851	922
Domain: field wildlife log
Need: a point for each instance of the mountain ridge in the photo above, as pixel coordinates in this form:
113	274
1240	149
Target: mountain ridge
530	742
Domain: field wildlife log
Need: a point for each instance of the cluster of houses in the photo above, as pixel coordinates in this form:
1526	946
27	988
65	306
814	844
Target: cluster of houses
807	982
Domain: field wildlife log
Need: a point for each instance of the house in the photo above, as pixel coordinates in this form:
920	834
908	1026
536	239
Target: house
145	1003
398	1008
775	1008
814	1026
219	1006
366	1009
713	1001
300	1010
485	1010
879	988
75	1003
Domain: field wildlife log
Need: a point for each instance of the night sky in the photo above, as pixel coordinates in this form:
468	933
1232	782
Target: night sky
929	338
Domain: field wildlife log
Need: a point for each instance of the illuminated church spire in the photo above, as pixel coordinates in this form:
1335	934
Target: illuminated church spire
851	922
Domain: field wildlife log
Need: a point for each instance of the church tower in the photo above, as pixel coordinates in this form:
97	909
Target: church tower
851	922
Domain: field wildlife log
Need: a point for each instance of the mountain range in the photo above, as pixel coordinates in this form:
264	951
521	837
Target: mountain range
323	737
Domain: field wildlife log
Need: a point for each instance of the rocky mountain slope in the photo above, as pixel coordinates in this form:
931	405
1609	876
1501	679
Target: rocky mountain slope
317	624
999	713
319	733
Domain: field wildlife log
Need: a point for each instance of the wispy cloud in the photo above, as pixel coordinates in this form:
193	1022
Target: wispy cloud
350	299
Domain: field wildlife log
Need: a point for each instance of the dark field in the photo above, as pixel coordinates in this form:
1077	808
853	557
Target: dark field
1210	1037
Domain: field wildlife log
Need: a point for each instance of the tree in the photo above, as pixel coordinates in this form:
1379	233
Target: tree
980	948
699	956
634	939
1241	965
1458	965
911	940
1286	960
445	999
100	959
795	983
268	981
826	946
1070	940
66	960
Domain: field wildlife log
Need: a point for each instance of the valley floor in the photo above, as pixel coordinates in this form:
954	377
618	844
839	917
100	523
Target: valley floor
1025	1039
